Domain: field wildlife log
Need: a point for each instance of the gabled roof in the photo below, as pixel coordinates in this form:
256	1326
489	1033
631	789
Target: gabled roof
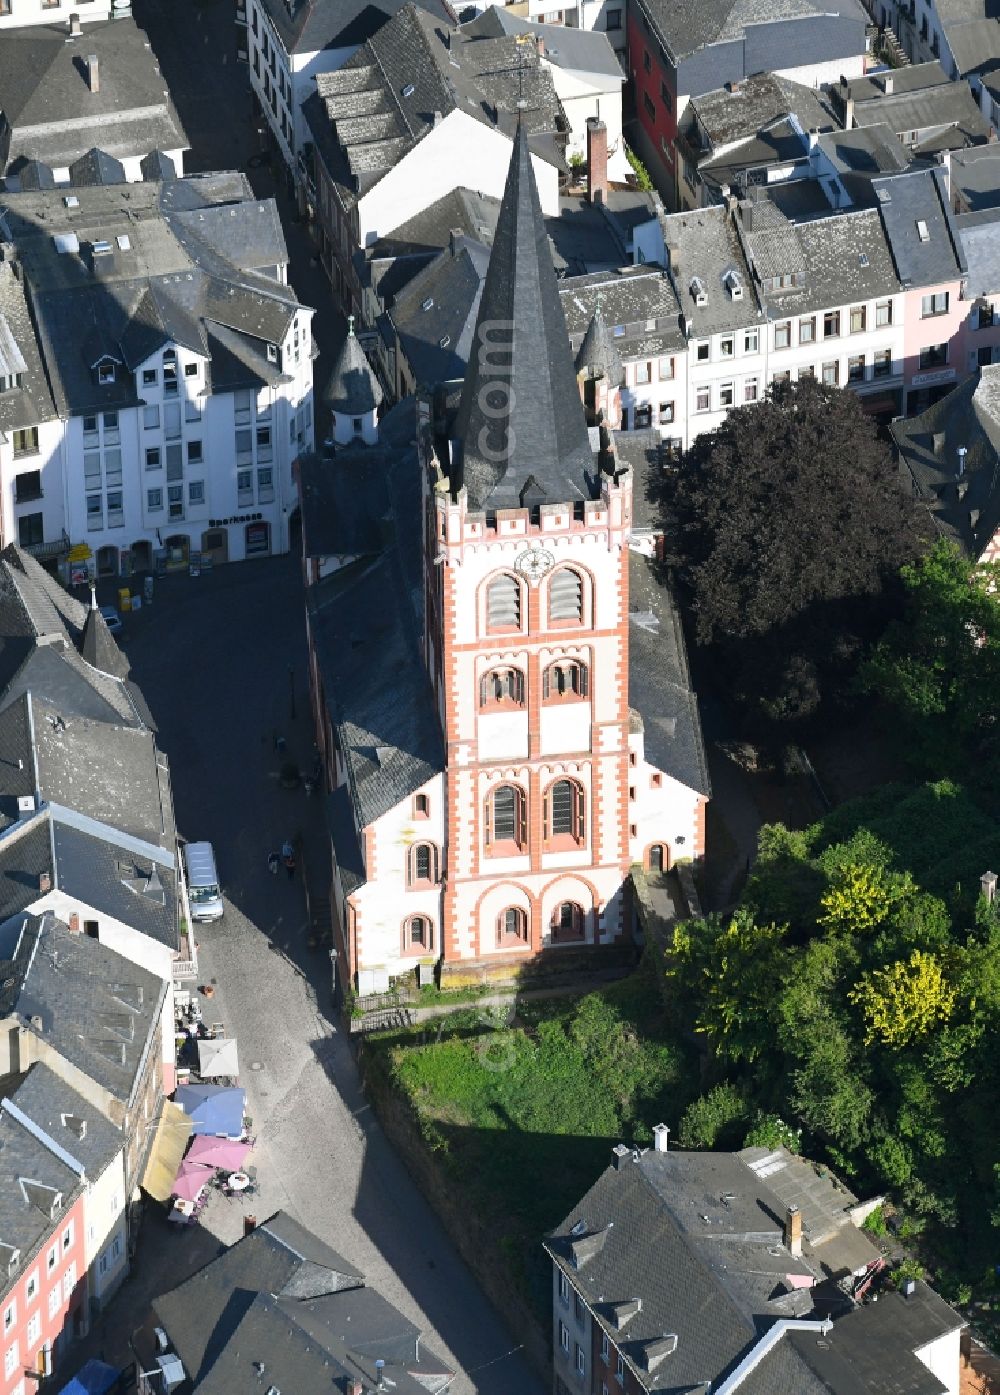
68	1119
96	168
368	115
352	389
185	261
638	307
729	114
964	508
98	647
31	403
659	684
911	205
520	413
706	249
309	26
97	1009
54	115
283	1303
156	165
686	26
37	1189
580	51
434	315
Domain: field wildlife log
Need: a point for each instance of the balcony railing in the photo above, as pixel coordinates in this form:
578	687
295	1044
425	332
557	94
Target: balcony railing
47	550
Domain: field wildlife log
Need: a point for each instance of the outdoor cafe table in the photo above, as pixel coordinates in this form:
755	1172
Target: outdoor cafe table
238	1181
182	1210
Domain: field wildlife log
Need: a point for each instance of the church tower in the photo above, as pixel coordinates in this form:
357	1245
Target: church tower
527	626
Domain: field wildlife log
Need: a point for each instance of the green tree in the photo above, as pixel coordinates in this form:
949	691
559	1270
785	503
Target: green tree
904	1001
789	531
861	897
729	969
938	666
711	1121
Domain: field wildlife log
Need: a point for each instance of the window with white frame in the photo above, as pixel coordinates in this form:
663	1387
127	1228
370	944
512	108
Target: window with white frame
751	341
9	1317
31	1287
703	400
69	1283
563	1289
642	372
34	1331
10	1359
751	390
883	313
726	346
727	394
934	304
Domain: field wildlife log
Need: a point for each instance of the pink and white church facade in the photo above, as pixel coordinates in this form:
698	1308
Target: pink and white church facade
477	655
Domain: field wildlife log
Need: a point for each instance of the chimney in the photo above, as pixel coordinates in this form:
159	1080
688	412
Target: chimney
988	882
661	1138
793	1231
887	84
249	1223
944	161
849	114
93	73
674	258
620	1155
74	27
379	1368
354	1387
597	160
44	882
74	922
813	137
962	452
540	45
909	1287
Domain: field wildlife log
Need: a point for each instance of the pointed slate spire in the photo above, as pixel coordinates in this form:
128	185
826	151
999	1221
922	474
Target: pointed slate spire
599	356
97	644
520	415
353	389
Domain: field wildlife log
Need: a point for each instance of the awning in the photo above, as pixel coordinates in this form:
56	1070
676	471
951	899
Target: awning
173	1129
217	1056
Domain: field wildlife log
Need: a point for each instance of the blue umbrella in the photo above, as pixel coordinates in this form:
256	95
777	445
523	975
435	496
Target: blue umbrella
93	1378
214	1109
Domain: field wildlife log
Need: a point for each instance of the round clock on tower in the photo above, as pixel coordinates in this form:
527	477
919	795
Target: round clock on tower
534	562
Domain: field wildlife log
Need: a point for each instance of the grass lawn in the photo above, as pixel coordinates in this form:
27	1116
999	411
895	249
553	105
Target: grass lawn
523	1116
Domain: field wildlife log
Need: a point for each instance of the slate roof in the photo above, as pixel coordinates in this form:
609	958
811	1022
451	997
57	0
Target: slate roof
309	26
56	1107
133	880
638	306
352	389
950	105
30	403
730	114
860	155
975	47
98	1009
281	1301
909	198
975	177
53	114
434	315
583	51
843	257
25	858
538	430
363	124
460	211
981	249
692	1245
659	684
33	1179
966	510
689	25
192	262
366	617
705	245
98	647
598	356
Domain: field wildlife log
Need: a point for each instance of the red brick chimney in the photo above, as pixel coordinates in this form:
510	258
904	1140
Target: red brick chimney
793	1231
74	922
597	160
74	25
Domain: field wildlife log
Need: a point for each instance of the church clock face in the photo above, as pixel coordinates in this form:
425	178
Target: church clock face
534	563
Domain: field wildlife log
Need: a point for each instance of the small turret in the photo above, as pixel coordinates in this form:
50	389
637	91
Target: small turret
353	394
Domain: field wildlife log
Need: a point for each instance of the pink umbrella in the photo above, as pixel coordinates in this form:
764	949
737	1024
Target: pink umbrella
190	1179
218	1152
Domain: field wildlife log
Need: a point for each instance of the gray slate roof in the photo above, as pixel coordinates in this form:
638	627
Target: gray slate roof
283	1299
638	307
352	389
585	51
860	155
659	684
535	427
947	111
975	177
56	1107
698	1238
33	1180
309	26
98	647
53	114
363	125
706	246
730	114
919	196
31	402
967	510
598	356
689	25
98	1010
198	262
434	314
978	235
366	618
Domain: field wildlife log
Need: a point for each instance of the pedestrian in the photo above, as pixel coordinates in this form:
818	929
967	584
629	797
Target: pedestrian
288	857
273	863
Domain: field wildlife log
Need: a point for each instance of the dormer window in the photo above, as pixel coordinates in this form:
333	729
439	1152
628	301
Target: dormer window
734	285
105	372
272	353
698	291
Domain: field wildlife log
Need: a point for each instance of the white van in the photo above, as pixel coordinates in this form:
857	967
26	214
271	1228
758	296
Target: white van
203	882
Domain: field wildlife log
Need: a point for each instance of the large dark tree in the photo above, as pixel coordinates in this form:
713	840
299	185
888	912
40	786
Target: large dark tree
788	528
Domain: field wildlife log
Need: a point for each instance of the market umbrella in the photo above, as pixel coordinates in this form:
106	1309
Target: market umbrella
217	1056
218	1152
190	1180
214	1109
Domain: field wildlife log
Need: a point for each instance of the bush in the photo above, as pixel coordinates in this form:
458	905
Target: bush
768	1131
711	1121
642	179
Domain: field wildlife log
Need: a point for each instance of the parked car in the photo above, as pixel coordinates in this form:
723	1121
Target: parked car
112	619
203	882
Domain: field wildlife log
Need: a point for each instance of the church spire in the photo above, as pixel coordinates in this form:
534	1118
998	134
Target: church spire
520	423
